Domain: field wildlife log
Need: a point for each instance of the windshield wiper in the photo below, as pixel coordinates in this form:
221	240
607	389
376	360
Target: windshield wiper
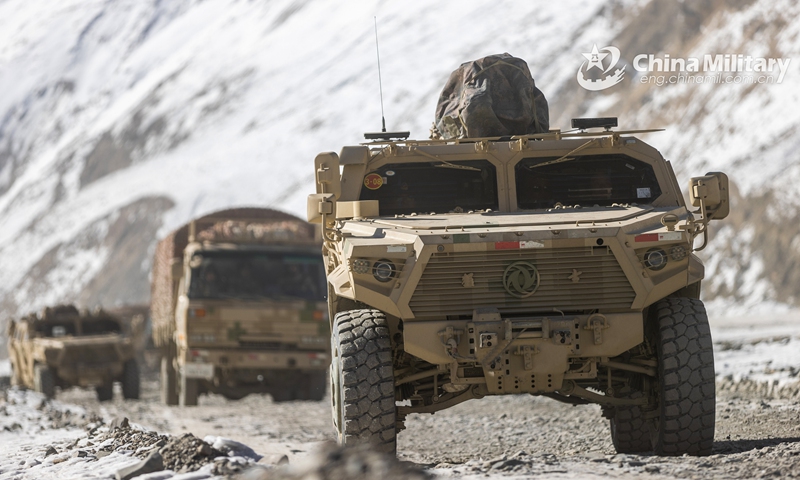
565	158
459	167
445	163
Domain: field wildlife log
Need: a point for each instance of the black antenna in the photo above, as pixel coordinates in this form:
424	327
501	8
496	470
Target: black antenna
380	83
383	135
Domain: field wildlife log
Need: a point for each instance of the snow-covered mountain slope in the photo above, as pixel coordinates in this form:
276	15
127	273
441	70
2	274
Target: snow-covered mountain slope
121	120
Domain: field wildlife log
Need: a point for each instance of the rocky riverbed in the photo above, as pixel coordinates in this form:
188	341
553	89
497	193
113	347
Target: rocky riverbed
757	435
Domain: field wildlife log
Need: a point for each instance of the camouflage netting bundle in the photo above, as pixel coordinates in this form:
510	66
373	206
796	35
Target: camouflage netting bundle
493	96
242	231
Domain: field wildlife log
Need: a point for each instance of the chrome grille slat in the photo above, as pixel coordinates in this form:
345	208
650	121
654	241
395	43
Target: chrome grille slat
602	282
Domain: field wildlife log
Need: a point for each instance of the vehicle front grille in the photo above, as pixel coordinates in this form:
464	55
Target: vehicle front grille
601	282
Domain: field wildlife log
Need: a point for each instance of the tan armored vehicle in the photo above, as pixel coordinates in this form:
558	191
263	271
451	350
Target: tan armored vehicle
238	307
555	263
62	347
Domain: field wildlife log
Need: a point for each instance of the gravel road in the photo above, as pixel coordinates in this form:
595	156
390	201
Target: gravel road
508	437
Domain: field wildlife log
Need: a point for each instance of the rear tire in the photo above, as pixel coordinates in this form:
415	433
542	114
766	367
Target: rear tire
362	378
130	380
630	432
44	381
169	384
685	386
105	392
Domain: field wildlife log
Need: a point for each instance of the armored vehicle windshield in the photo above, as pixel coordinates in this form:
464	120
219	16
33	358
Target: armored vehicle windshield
596	180
433	187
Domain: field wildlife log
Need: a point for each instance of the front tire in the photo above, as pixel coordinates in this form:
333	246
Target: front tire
105	392
189	392
685	386
168	380
44	381
362	380
130	380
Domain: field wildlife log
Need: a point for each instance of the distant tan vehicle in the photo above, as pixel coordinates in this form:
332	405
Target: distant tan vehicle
62	347
556	264
238	307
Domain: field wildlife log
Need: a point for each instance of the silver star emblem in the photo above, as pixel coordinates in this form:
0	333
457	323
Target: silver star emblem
467	281
576	276
595	58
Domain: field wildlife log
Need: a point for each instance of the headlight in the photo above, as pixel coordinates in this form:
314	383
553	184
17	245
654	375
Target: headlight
678	252
383	270
655	259
361	266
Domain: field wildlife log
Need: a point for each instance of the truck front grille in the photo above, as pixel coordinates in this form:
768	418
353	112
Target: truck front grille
601	282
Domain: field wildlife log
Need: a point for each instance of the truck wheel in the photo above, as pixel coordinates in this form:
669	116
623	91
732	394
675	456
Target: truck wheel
16	381
189	392
169	384
311	386
685	384
105	392
630	432
130	380
362	380
44	382
316	384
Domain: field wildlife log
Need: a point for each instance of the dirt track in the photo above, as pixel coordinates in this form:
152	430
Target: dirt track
501	436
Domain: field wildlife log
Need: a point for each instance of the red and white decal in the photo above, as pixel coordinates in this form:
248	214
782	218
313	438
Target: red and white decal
658	237
518	245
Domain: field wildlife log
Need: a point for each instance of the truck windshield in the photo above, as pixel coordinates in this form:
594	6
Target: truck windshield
258	275
597	180
428	187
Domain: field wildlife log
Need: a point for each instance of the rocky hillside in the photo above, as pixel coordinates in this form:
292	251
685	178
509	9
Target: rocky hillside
121	120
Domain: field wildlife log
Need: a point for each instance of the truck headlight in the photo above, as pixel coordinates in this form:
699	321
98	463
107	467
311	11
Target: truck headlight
678	252
383	270
655	259
361	266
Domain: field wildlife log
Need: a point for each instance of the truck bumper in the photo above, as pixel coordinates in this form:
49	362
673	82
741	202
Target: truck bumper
209	364
523	355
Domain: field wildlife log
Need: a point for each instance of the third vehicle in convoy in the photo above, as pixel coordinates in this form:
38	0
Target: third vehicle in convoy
548	262
64	347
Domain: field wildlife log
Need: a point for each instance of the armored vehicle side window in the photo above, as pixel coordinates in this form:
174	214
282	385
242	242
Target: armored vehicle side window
597	180
257	275
428	187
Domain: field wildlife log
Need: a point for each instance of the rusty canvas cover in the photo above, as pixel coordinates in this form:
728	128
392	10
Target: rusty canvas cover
493	96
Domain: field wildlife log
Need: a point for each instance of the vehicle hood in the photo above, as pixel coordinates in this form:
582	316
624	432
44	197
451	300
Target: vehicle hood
562	216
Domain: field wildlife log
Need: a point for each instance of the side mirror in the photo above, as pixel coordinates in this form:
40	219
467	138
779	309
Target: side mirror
326	167
319	204
711	191
358	209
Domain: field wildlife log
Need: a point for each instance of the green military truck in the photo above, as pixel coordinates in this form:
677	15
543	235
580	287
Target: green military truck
238	307
64	347
503	257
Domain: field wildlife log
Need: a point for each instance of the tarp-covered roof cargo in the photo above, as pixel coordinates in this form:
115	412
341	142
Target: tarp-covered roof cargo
493	96
232	226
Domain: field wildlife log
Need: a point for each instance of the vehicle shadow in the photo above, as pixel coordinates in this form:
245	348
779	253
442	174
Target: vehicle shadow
737	446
